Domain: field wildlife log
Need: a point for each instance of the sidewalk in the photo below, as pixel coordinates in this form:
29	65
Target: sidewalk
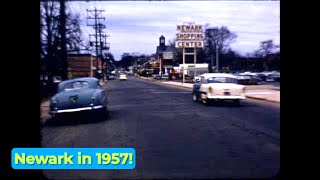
263	92
44	109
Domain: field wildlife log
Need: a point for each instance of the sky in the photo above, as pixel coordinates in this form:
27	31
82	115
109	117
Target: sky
135	26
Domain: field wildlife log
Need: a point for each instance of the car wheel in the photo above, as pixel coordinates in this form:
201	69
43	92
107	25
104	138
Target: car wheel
206	101
236	102
101	113
104	111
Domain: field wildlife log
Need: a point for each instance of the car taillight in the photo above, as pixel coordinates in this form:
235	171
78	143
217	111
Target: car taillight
210	90
54	103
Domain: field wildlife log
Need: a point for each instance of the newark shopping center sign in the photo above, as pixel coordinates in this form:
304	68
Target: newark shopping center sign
189	36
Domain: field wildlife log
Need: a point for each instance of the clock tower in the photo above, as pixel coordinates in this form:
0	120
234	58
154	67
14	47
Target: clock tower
162	41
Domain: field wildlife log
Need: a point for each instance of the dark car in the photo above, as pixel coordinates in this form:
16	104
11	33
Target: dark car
248	80
163	76
111	76
80	94
262	77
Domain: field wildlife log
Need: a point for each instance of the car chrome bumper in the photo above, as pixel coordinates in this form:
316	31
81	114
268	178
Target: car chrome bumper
226	97
76	109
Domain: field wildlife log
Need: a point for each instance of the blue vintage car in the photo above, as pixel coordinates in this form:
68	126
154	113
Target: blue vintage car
80	94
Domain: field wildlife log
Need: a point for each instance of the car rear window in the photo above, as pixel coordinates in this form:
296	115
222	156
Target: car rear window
221	80
76	85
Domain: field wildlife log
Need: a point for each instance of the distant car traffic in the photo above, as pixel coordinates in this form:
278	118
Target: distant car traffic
57	79
123	77
80	94
248	79
198	78
111	76
163	76
218	86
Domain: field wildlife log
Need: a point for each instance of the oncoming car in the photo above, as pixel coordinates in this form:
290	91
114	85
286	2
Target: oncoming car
123	77
218	86
80	94
111	76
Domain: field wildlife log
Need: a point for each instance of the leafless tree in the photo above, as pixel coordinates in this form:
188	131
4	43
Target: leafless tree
217	39
50	36
266	49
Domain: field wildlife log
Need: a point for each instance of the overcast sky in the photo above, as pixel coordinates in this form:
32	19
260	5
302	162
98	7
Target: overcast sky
135	26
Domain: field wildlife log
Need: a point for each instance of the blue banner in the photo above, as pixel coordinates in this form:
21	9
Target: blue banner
73	158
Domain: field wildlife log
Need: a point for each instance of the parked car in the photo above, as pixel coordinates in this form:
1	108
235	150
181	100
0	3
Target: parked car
273	78
80	94
218	86
262	77
198	78
248	80
123	77
162	77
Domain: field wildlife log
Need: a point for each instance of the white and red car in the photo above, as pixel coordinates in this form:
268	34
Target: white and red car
218	86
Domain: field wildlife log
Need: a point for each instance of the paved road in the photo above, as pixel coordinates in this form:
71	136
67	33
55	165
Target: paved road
173	136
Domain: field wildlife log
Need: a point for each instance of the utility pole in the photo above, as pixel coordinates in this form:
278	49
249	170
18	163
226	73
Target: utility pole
217	57
100	27
105	46
62	29
99	45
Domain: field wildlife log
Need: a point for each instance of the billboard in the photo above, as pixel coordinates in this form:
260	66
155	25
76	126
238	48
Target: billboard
167	55
189	36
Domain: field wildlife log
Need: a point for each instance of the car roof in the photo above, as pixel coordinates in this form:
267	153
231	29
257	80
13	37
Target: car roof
209	75
90	79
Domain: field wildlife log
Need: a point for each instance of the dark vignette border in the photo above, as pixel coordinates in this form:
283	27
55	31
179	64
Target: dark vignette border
20	58
20	82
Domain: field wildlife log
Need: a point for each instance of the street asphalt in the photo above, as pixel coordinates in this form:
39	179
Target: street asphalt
173	136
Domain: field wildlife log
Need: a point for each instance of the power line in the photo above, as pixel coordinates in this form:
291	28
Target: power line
100	41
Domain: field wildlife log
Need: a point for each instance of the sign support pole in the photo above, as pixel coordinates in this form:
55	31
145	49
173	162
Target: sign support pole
184	62
195	62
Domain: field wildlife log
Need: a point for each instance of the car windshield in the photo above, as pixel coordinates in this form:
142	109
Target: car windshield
75	85
221	80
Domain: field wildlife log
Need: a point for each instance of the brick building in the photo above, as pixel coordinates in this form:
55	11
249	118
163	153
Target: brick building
82	65
164	55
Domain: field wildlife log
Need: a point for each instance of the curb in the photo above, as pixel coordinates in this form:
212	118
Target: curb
264	99
44	116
